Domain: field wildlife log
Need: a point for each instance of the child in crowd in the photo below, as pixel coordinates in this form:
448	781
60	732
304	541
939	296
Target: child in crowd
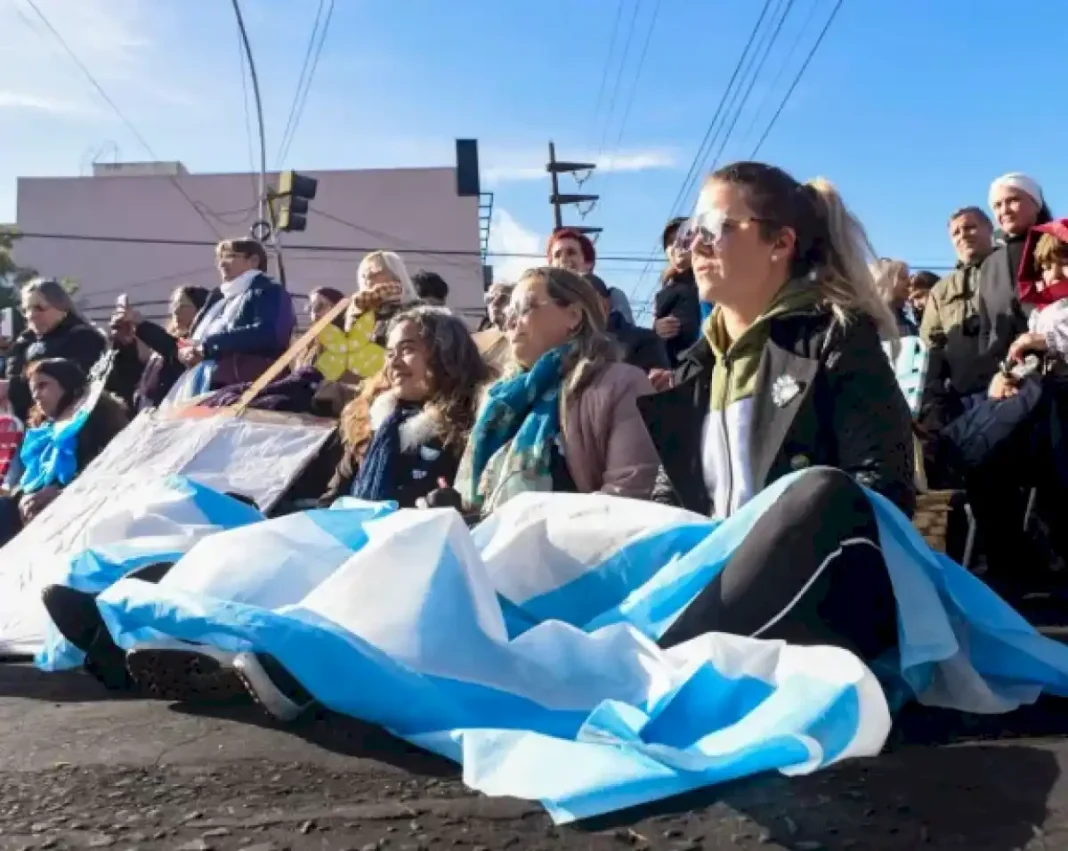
1043	284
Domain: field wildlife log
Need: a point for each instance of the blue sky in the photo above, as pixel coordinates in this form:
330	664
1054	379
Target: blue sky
911	107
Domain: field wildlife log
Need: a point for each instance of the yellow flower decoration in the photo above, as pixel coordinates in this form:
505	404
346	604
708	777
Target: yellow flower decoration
351	352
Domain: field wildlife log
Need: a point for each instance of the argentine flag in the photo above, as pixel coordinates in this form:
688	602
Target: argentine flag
526	649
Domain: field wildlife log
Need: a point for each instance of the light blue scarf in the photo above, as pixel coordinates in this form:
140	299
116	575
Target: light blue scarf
510	447
49	453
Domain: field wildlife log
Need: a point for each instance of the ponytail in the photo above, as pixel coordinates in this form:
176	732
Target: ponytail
842	267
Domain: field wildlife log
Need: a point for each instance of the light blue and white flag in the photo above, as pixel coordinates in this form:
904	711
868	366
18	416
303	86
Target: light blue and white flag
527	649
150	523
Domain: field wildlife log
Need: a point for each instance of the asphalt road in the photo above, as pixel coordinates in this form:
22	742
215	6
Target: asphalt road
81	769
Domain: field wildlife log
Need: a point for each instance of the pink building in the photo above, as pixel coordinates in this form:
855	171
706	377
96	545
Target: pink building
145	228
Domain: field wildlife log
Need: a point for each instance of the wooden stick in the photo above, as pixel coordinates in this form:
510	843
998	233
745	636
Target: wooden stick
286	360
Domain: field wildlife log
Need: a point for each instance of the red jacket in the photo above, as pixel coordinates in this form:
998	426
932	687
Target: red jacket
1029	275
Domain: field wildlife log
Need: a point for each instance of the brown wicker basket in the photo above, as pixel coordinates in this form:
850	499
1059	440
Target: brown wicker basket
932	517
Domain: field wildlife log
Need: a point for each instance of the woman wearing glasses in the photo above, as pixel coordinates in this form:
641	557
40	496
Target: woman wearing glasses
566	419
788	374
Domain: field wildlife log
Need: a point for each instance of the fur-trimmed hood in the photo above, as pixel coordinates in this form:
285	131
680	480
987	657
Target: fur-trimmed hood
414	432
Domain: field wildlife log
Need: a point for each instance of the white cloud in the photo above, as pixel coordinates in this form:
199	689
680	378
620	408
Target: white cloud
38	103
508	236
113	38
511	168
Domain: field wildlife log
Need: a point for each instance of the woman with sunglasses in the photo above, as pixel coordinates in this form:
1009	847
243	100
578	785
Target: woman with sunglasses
789	374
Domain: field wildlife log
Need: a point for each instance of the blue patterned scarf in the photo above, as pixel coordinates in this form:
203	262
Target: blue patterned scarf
376	481
510	448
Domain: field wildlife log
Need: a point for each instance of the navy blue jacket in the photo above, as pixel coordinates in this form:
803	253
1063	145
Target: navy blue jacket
263	326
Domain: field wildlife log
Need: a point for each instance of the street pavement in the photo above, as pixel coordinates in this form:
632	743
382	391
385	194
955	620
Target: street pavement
82	769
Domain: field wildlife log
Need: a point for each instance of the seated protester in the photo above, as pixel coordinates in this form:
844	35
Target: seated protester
407	429
384	288
430	287
64	438
640	347
491	337
789	374
320	302
132	334
677	308
402	436
893	284
302	390
56	330
245	326
567	420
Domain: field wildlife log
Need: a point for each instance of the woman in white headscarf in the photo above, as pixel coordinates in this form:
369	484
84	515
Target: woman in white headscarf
1018	205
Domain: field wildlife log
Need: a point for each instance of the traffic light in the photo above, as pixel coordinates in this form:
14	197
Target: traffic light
294	191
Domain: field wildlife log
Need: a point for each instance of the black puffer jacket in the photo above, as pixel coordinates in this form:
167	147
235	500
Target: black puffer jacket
1001	316
423	459
73	339
845	410
678	297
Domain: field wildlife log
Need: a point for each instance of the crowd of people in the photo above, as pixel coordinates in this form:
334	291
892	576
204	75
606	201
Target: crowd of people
766	357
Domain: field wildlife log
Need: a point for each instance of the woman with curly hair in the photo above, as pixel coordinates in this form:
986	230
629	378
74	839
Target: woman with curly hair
408	427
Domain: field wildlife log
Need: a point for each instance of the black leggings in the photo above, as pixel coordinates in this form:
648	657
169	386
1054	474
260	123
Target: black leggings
810	571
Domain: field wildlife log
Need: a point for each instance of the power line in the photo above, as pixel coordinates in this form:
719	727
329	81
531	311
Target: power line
787	59
607	64
698	157
344	249
619	77
248	119
634	85
262	188
767	46
300	79
797	79
115	108
130	285
300	99
387	238
339	249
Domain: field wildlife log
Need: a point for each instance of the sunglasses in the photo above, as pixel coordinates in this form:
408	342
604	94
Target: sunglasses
709	228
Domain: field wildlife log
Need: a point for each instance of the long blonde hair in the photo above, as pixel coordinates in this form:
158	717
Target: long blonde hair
832	248
593	348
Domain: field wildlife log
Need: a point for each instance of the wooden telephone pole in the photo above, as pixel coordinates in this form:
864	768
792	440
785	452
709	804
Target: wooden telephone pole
555	169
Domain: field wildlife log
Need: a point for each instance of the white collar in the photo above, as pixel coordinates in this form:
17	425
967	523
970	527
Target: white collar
414	432
240	284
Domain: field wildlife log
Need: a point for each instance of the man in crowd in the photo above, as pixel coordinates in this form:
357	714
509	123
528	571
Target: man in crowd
951	317
571	250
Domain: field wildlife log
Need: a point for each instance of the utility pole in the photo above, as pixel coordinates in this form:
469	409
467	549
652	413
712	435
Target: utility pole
555	169
259	111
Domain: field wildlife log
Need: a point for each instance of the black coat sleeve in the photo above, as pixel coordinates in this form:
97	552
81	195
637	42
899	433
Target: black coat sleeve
687	309
106	420
18	392
157	339
870	417
648	352
341	482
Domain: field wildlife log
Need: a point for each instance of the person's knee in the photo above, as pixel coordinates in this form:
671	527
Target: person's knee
829	495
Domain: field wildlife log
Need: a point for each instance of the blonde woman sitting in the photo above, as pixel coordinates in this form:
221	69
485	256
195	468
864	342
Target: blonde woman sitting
566	419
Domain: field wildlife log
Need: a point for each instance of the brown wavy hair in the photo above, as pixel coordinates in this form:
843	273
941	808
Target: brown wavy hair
457	375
